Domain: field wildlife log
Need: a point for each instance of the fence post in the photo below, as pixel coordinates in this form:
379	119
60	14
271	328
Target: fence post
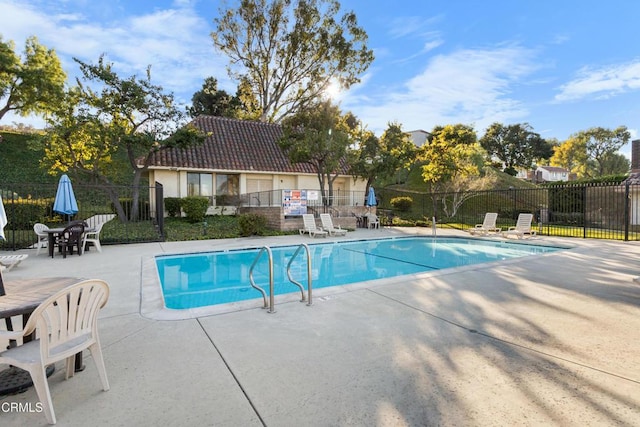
584	211
627	218
160	209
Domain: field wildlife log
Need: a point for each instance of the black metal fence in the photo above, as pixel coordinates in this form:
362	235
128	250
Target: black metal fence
26	204
602	211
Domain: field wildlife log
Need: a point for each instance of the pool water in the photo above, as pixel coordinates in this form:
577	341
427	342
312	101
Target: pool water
203	279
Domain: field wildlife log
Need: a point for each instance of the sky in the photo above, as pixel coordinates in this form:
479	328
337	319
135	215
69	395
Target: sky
560	66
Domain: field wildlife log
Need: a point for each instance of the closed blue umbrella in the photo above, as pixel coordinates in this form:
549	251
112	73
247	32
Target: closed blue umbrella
371	198
65	202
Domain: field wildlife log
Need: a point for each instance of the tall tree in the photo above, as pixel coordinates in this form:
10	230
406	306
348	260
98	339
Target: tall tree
215	102
33	84
290	51
319	136
380	158
127	113
451	158
615	164
601	143
588	153
515	146
571	155
212	101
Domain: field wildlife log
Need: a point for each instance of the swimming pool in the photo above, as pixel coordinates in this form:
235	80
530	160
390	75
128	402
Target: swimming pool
204	279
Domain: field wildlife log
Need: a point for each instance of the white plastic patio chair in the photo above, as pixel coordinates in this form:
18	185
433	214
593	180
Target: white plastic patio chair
487	226
43	237
373	221
310	226
92	236
522	227
327	225
66	323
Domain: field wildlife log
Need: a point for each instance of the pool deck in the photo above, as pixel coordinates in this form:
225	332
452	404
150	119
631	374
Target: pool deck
548	340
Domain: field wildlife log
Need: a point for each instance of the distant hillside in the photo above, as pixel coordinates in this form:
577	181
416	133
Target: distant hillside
414	181
20	156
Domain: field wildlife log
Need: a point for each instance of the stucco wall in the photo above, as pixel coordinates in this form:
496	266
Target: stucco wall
175	181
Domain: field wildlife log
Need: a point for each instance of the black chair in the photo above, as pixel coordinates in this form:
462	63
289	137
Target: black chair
70	237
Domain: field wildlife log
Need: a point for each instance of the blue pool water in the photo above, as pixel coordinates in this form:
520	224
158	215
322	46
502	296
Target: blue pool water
203	279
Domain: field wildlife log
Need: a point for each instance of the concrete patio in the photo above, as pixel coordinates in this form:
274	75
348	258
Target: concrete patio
547	340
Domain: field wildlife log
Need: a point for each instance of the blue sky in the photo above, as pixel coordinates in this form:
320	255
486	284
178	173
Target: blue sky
561	66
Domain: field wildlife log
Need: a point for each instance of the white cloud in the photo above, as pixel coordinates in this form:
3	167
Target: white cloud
176	42
602	82
466	86
404	26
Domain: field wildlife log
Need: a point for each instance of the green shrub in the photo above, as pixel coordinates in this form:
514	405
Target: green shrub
23	213
195	208
173	205
252	224
402	204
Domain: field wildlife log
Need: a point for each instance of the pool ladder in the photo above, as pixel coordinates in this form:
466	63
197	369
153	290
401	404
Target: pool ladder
267	250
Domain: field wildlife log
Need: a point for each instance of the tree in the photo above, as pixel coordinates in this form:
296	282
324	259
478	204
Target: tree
601	143
290	51
129	114
319	136
380	158
589	153
30	85
571	155
213	102
451	158
615	164
515	146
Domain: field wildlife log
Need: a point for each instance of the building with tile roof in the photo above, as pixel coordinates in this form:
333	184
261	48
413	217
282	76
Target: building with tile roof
238	157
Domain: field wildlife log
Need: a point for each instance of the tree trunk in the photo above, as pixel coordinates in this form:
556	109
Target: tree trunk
135	195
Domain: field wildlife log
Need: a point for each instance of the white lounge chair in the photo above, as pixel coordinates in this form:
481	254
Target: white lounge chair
10	261
66	323
487	226
522	227
327	225
310	226
43	236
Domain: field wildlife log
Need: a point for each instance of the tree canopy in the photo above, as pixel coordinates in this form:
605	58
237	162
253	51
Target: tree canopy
290	51
452	161
130	114
592	153
449	153
379	158
319	136
515	145
212	101
33	84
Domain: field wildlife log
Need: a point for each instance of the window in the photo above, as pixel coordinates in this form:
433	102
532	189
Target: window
200	184
227	185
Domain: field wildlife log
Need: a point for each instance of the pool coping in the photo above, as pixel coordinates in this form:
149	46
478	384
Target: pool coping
152	304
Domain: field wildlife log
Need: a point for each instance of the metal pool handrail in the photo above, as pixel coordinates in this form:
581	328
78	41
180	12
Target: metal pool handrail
295	282
253	283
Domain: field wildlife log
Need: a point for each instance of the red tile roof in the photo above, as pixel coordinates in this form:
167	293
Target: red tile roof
233	145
